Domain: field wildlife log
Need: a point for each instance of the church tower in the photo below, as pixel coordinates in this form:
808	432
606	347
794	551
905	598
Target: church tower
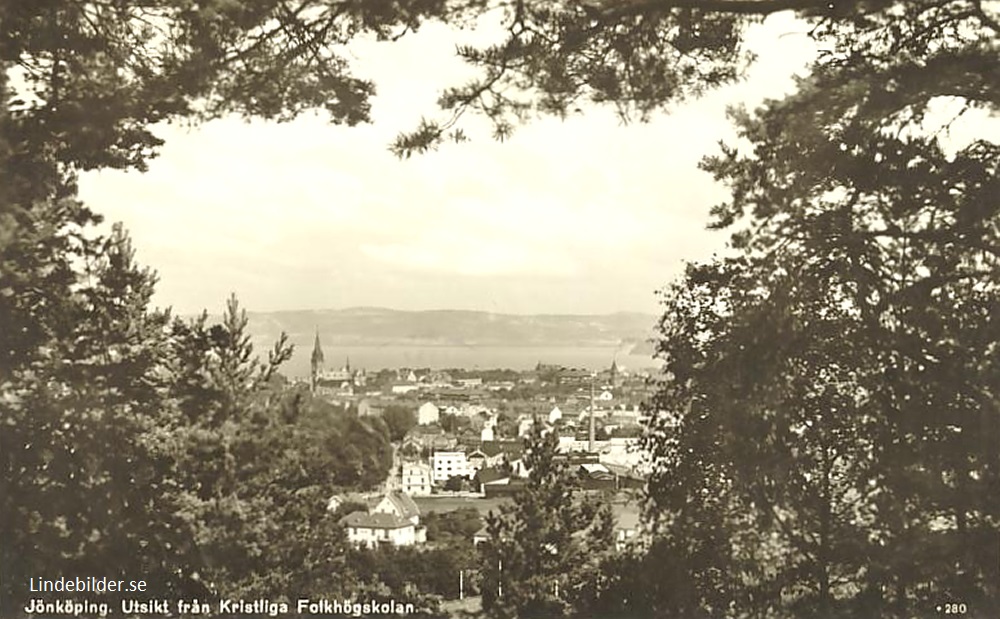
614	373
316	363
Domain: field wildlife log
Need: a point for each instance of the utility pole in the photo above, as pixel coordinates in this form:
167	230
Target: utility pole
461	584
500	578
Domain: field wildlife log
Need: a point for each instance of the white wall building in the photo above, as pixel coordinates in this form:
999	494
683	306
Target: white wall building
416	479
395	520
448	464
428	413
524	425
487	434
555	414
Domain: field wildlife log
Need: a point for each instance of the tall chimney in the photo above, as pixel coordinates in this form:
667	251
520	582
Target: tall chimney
590	443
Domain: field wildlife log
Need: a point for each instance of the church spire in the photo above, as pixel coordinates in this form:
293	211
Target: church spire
316	362
317	354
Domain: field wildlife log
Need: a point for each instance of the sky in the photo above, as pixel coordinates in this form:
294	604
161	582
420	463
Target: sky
579	216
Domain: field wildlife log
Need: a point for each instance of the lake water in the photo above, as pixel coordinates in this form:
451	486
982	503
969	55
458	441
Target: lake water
373	358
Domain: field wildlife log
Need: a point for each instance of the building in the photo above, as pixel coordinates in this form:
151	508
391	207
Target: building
555	415
394	520
428	413
596	476
504	487
315	363
430	437
487	433
487	475
367	409
526	423
437	379
481	536
331	383
498	452
448	464
417	479
628	527
575	376
477	460
627	477
398	504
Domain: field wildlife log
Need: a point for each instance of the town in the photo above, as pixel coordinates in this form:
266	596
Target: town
500	309
459	436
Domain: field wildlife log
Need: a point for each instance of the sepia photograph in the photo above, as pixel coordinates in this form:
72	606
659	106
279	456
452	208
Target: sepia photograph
500	309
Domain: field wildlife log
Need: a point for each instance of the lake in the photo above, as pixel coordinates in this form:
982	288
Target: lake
519	358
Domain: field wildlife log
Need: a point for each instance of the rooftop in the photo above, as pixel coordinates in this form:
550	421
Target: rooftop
374	521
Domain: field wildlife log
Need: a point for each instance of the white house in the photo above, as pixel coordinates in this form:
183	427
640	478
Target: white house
525	424
428	413
518	468
417	479
448	464
471	410
487	434
488	431
481	536
555	414
606	396
398	504
395	520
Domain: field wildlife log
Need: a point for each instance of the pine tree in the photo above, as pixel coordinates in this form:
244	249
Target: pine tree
84	398
544	552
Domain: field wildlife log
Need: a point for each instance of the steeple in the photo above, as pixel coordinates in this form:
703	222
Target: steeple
316	362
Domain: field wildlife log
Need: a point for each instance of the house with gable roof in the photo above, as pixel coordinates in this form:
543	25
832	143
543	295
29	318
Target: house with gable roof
400	505
500	451
394	520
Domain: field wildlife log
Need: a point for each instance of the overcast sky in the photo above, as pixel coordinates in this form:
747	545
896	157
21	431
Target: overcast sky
577	216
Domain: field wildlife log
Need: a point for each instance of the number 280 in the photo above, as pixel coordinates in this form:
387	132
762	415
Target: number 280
955	609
